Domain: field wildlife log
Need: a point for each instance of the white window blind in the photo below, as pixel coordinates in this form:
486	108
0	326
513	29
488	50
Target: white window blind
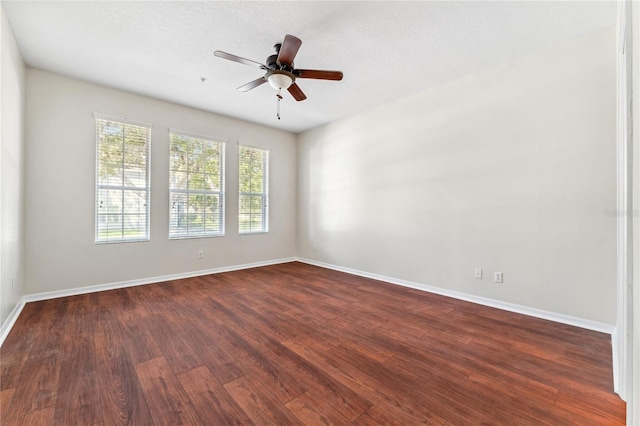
196	186
122	180
254	190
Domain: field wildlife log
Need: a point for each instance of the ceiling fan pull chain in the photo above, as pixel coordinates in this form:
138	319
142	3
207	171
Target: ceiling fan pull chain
279	96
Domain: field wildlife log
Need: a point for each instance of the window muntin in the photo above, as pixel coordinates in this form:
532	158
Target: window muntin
253	182
122	180
196	187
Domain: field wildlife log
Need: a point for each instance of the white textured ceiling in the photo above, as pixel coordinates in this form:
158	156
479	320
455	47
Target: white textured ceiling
386	49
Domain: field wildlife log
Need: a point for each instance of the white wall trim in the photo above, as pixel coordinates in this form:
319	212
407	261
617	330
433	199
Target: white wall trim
615	359
506	306
11	320
13	316
620	348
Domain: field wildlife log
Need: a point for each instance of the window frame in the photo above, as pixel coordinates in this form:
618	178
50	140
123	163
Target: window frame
99	186
264	194
221	142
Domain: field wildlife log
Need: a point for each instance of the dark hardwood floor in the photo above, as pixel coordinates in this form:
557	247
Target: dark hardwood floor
297	344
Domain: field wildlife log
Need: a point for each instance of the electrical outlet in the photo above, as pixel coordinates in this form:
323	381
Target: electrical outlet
201	254
497	277
13	282
477	273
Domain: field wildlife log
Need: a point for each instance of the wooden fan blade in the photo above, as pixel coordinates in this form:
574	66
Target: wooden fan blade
319	74
297	94
288	50
252	85
234	58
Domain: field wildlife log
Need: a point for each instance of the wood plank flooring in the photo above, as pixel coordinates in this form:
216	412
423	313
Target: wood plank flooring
296	344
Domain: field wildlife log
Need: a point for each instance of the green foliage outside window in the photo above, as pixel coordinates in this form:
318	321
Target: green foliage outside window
196	184
253	195
122	184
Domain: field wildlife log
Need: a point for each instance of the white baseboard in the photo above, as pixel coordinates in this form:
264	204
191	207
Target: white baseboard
11	319
151	280
506	306
615	348
13	316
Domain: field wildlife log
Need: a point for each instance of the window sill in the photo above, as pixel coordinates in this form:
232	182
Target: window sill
191	237
122	241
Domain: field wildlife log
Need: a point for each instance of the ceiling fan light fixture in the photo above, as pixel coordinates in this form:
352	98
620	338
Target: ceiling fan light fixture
279	80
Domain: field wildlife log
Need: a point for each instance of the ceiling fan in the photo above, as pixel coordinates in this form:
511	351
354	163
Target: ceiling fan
280	71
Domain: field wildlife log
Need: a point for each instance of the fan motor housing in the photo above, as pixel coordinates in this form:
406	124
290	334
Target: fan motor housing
272	62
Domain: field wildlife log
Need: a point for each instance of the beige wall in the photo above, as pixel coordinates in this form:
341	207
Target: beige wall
12	119
511	169
60	192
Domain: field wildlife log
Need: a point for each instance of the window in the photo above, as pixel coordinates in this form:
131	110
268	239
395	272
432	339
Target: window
196	186
122	180
254	190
